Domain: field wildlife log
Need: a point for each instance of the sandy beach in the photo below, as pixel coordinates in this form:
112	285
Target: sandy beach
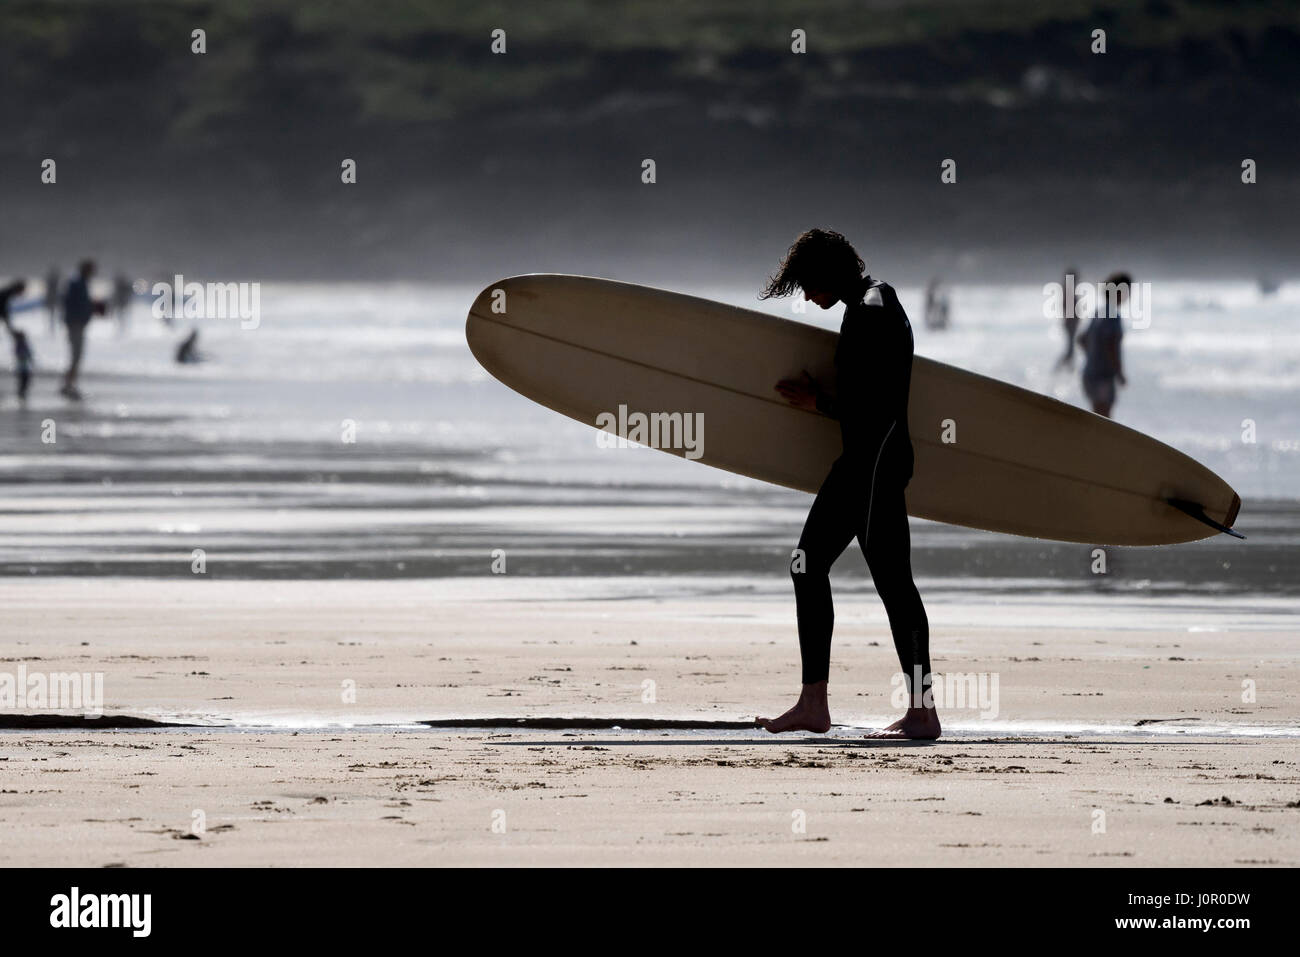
1112	743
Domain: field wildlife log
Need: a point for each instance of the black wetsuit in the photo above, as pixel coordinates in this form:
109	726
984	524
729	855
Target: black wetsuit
862	497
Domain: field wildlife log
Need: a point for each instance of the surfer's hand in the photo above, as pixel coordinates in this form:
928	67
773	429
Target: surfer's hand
800	393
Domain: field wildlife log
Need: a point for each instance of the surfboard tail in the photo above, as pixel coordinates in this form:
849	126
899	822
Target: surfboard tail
1233	509
1197	511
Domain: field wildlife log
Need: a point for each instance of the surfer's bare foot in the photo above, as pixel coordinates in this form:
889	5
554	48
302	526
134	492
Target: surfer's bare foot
919	724
810	713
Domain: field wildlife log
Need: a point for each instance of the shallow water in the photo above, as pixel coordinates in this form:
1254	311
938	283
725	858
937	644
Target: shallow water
244	456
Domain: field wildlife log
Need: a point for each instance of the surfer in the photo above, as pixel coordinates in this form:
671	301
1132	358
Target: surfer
863	495
1102	366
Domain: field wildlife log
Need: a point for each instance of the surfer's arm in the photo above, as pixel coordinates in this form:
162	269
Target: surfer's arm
802	393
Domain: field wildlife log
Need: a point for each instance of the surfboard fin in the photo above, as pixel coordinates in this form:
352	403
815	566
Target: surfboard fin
1197	512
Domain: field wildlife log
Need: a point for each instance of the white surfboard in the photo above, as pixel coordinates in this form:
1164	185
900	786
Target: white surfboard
1021	463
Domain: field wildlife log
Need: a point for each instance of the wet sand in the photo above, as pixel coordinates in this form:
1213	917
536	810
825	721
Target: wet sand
1105	720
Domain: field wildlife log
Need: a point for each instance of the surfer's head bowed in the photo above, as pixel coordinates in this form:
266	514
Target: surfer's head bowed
823	264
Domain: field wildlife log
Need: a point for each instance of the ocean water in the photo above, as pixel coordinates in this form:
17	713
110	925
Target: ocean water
247	455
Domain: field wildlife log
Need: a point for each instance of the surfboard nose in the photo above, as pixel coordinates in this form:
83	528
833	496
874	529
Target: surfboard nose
482	304
493	301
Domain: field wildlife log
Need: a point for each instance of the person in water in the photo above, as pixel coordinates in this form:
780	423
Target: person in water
23	361
863	495
187	352
78	309
8	294
120	303
1069	316
936	305
1102	366
22	351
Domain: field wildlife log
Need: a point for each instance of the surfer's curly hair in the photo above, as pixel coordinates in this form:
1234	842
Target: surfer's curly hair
820	259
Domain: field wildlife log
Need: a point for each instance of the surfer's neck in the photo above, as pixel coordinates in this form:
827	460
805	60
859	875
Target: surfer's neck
857	291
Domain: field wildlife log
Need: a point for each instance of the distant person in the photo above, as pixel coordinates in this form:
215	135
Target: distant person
52	298
1102	367
23	362
7	295
122	294
862	497
188	351
78	309
936	305
1069	316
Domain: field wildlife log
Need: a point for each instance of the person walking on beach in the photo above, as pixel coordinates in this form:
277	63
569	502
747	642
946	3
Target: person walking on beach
1103	366
78	309
863	495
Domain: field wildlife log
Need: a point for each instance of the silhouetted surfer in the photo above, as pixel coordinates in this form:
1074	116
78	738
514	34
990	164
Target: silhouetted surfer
862	497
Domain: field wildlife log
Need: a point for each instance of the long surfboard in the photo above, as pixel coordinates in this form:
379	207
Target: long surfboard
988	454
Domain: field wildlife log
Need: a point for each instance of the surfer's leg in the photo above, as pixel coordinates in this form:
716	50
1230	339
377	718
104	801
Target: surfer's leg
887	547
832	523
834	520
